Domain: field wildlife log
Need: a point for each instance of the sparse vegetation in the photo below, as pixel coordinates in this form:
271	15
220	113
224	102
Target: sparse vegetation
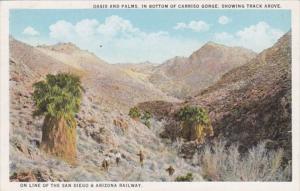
146	118
58	99
219	163
134	113
195	123
247	104
187	178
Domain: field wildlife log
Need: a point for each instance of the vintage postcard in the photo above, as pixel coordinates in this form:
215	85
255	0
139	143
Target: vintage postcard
150	95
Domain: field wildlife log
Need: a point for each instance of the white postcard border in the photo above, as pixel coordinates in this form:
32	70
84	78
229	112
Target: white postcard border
5	185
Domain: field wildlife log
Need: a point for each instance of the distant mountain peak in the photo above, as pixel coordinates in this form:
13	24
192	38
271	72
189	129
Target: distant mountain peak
212	43
62	47
215	48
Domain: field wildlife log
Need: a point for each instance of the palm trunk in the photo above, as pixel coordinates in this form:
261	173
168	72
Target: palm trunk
59	138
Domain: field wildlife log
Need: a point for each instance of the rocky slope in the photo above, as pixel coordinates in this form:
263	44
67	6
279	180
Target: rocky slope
184	77
102	130
109	84
253	102
141	71
101	133
249	104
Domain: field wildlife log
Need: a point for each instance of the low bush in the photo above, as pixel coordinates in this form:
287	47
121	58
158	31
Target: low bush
134	113
219	163
146	118
187	178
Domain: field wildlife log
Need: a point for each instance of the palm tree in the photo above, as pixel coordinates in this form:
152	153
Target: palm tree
195	123
58	98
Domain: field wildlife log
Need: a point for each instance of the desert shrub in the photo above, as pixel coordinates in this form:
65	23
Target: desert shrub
187	178
219	163
146	118
134	113
195	123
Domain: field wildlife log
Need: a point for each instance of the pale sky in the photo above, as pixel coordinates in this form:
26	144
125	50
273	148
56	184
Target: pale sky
149	35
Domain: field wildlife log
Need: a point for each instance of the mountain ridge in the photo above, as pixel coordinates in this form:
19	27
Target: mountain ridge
188	75
248	104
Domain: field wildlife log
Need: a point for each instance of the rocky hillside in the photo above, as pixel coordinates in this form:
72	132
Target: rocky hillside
101	133
102	130
184	77
141	71
108	84
249	104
